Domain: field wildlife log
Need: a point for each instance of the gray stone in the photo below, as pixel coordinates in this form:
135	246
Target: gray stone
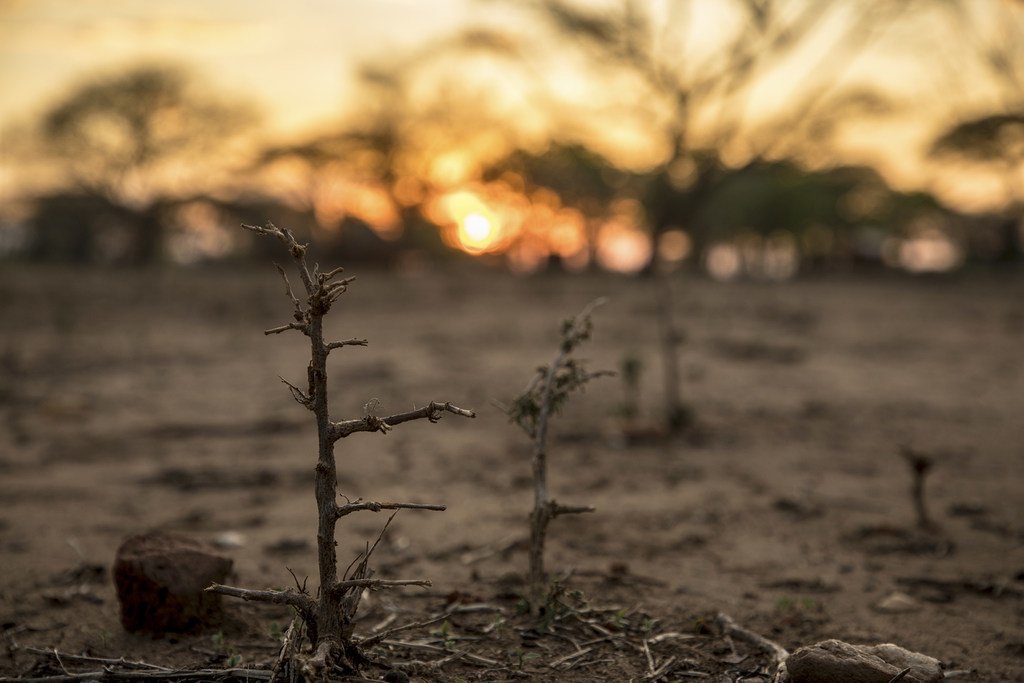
160	579
833	661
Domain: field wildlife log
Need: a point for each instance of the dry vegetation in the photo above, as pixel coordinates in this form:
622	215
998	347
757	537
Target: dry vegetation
140	399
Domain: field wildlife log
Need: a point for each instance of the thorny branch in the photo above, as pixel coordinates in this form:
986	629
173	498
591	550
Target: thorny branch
330	346
371	423
379	583
300	601
729	627
329	617
545	394
300	397
373	506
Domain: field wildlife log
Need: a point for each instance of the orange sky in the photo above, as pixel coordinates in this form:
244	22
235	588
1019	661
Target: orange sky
297	60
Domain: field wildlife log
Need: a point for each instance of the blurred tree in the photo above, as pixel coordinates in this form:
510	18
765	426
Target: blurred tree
138	140
695	93
418	130
582	179
996	141
993	138
368	156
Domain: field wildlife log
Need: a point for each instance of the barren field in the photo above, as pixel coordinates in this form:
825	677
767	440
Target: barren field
135	400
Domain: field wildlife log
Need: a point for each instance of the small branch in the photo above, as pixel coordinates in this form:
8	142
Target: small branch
330	346
300	601
433	412
477	659
271	229
373	506
340	285
96	660
384	635
374	584
289	646
300	396
301	327
371	423
288	288
325	277
555	509
731	628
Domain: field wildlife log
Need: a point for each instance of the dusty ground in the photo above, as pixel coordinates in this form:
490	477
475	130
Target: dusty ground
132	400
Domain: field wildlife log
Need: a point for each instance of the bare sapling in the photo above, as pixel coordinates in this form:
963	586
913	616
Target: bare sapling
329	616
677	415
920	465
545	395
630	369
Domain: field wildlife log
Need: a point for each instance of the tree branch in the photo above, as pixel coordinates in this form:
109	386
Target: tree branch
301	327
300	601
288	288
330	346
379	583
373	506
371	423
554	509
301	397
730	628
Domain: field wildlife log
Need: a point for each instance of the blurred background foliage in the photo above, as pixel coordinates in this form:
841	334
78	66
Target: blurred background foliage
625	135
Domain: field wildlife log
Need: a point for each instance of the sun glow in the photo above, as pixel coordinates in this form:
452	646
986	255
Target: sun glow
476	232
469	222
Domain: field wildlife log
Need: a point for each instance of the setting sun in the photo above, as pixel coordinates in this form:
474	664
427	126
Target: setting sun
475	231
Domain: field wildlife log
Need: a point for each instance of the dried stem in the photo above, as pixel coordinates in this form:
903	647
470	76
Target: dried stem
532	411
373	506
371	423
731	628
379	583
300	601
677	417
347	342
920	466
329	618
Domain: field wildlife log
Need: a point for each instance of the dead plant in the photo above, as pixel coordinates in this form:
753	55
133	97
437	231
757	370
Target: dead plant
329	616
546	393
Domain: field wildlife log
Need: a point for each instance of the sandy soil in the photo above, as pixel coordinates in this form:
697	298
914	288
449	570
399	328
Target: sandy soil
139	400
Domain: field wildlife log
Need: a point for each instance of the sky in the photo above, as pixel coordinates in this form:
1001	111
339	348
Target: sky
297	62
295	59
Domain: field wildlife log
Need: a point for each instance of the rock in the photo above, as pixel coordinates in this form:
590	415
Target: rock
833	661
160	579
897	603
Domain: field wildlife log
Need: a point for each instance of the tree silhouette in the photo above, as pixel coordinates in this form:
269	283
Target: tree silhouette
993	138
139	139
697	95
413	113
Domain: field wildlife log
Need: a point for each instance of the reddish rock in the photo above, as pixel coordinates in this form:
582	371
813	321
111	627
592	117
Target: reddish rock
160	579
